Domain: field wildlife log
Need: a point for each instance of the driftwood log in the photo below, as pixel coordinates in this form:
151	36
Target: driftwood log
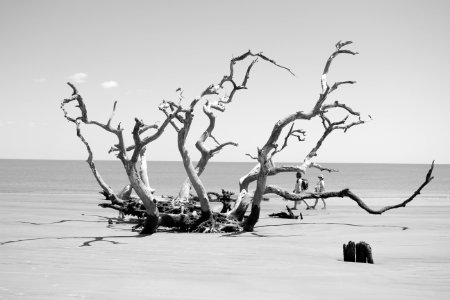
286	215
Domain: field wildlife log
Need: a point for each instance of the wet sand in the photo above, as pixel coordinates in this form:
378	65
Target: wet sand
62	247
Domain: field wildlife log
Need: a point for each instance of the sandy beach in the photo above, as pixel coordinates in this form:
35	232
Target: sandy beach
62	247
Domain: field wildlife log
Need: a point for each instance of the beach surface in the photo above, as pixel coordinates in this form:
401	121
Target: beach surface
55	246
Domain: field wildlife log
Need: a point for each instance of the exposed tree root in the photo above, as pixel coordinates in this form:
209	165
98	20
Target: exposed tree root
182	217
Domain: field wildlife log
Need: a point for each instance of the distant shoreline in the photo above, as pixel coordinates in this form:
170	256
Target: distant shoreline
220	162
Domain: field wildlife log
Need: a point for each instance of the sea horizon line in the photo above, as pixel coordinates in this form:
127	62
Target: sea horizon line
219	161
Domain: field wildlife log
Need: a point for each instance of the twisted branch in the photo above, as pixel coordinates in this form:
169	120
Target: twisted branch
272	189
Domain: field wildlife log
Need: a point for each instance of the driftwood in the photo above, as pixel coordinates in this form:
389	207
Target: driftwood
349	251
183	212
184	117
364	253
320	109
225	198
288	215
360	252
349	194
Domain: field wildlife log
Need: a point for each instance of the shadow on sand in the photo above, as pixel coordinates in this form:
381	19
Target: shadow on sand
89	242
251	234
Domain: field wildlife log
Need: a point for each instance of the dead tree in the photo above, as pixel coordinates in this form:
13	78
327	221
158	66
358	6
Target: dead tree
106	189
181	118
133	157
320	109
132	162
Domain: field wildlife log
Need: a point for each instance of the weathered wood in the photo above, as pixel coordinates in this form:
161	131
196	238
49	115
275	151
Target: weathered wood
150	224
360	252
273	189
252	219
125	192
180	221
216	97
364	253
271	147
349	251
291	214
239	209
284	215
224	198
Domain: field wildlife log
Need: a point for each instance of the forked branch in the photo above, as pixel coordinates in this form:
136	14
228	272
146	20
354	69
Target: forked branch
272	189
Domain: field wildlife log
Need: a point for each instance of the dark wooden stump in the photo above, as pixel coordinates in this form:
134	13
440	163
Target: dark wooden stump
364	253
360	252
349	251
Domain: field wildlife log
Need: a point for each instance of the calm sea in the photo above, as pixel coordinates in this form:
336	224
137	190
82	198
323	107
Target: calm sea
74	177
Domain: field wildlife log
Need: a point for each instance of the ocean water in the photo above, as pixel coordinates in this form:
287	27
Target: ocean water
75	177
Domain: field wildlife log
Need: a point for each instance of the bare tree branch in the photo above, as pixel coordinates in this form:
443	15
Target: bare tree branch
272	189
112	114
245	181
90	160
321	168
243	85
337	84
260	55
251	156
209	106
298	133
336	104
217	149
147	127
84	118
139	127
338	51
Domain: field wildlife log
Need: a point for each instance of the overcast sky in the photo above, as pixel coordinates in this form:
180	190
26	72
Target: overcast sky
140	52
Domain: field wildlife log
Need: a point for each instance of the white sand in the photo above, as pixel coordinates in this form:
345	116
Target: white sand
282	259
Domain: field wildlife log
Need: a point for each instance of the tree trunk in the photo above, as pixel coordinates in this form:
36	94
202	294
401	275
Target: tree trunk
142	168
253	218
183	194
150	224
239	209
125	192
185	190
191	172
146	195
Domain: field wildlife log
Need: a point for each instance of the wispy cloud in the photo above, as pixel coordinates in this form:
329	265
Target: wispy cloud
109	84
40	80
78	77
7	123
